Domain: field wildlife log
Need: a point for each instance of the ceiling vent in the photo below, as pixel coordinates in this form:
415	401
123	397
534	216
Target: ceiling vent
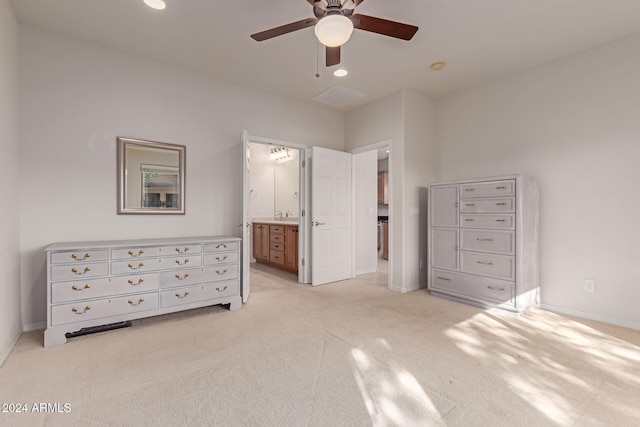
338	96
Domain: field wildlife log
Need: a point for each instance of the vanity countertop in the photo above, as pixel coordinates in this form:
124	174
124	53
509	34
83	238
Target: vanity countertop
277	221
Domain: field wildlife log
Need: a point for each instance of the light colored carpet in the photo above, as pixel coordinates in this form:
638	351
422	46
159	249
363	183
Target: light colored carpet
346	354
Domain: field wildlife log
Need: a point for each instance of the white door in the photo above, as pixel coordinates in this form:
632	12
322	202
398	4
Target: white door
246	220
330	216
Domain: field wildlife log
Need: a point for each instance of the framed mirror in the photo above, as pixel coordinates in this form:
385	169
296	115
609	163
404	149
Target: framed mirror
150	177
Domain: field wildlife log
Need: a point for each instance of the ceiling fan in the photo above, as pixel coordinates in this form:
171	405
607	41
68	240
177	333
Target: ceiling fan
334	21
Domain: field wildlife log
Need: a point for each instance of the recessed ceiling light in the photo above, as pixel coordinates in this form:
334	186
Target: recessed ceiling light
340	73
155	4
437	66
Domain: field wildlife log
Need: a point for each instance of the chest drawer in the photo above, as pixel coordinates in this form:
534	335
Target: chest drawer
79	289
225	272
198	293
220	258
221	246
186	277
498	222
502	242
500	266
136	266
78	271
487	205
69	257
482	288
488	189
97	309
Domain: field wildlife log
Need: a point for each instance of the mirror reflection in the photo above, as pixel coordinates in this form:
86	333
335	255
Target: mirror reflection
151	177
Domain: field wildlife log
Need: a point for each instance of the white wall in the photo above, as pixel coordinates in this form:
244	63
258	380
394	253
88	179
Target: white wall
365	183
575	125
10	322
77	98
407	119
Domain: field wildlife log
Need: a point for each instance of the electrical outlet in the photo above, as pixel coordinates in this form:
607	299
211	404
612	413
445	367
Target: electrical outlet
589	285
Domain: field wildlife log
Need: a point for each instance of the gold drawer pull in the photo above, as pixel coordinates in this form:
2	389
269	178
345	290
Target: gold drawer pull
484	262
502	187
87	255
140	265
221	290
223	258
484	240
183	296
140	252
182	263
494	288
75	310
501	220
224	245
135	284
444	278
75	288
85	271
501	204
183	277
470	219
186	249
223	271
140	301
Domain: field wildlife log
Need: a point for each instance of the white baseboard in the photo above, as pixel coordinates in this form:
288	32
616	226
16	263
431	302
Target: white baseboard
603	319
4	353
367	271
34	326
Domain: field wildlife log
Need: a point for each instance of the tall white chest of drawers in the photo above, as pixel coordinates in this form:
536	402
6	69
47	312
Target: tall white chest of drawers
483	241
97	283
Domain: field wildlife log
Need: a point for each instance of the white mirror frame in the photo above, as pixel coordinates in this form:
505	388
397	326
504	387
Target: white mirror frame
123	143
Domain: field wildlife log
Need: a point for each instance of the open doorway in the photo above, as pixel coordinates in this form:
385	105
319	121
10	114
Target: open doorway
373	216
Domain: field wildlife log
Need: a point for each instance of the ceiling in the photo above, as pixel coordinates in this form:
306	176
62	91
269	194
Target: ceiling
478	40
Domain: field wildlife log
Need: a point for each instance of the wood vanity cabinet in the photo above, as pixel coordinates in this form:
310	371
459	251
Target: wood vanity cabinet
276	245
383	188
261	241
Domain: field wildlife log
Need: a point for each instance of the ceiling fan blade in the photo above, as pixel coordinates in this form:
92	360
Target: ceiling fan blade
284	29
384	27
357	2
332	55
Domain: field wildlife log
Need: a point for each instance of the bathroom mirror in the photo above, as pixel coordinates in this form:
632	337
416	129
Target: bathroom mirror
150	177
286	185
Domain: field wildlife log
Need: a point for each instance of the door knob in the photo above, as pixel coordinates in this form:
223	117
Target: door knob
317	223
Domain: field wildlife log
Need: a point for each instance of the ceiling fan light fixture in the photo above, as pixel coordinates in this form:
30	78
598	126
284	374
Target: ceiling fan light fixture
334	30
155	4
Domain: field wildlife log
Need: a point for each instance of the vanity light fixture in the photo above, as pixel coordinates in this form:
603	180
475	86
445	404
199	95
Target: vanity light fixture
334	30
155	4
279	153
340	72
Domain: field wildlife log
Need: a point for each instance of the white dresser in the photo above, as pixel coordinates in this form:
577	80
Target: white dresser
97	283
483	241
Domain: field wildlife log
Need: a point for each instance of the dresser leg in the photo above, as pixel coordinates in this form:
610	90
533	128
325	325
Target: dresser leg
236	303
54	337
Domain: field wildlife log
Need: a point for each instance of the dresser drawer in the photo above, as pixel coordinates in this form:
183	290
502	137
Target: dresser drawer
135	266
199	293
504	222
134	283
482	288
79	289
277	238
276	229
277	246
502	242
487	205
221	246
97	309
500	266
220	258
225	272
70	257
78	271
155	251
488	189
276	257
186	277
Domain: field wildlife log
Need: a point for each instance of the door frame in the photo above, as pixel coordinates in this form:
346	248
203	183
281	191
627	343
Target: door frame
304	271
376	146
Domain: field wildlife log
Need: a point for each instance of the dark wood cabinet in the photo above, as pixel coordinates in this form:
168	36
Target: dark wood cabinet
385	239
383	188
261	242
276	245
291	245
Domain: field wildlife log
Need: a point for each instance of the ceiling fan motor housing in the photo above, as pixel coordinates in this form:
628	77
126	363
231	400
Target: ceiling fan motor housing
324	8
